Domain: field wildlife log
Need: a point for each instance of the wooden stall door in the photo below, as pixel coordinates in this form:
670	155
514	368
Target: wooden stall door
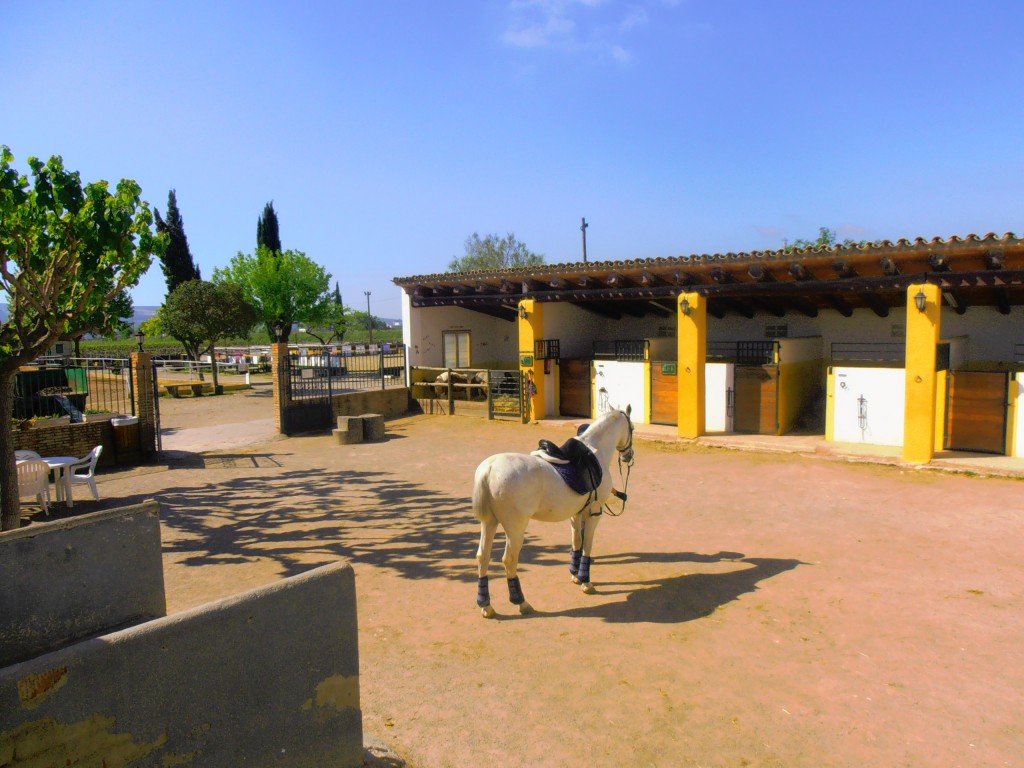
756	398
976	411
574	387
664	393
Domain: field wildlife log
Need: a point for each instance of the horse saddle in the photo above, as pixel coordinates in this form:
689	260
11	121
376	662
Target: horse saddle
574	461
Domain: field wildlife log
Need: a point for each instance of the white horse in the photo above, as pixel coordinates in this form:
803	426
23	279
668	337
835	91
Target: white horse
513	488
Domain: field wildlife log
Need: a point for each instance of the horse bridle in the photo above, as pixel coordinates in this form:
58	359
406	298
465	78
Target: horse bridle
626	457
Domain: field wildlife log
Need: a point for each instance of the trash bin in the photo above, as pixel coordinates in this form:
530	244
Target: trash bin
126	436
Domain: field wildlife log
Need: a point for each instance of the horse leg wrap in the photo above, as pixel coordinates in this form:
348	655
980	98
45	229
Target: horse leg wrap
483	592
515	592
584	575
574	561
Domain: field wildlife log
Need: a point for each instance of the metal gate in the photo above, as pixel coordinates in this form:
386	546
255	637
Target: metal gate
308	398
505	394
976	411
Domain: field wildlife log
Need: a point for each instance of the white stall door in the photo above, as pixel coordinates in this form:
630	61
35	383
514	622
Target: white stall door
869	405
718	388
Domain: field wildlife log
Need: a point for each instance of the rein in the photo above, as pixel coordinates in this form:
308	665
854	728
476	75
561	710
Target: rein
625	477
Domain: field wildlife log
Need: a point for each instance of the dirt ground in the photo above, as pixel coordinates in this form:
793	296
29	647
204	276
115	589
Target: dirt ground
751	609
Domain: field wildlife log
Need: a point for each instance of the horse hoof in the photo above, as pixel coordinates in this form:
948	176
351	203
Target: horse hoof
487	612
525	608
576	580
588	588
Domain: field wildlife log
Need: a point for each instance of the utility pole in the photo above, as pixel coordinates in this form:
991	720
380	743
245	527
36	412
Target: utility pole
369	317
583	229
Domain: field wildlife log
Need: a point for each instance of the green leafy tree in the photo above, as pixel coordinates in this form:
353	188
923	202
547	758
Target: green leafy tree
493	252
267	231
66	253
826	239
199	314
332	327
176	261
285	287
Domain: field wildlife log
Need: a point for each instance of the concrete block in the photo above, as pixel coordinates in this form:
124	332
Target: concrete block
373	426
270	677
350	430
73	578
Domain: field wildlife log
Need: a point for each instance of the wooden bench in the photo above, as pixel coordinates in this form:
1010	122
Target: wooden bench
175	390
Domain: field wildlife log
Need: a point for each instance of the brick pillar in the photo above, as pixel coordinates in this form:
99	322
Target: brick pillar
144	390
282	382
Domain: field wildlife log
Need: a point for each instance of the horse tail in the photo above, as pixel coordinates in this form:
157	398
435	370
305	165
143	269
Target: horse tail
482	494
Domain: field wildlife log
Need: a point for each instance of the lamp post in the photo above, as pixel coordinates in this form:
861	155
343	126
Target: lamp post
278	330
369	317
140	337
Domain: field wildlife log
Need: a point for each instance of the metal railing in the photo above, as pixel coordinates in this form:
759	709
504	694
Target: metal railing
744	352
73	387
621	350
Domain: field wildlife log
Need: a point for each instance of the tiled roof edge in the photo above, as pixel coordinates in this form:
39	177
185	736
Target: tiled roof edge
705	258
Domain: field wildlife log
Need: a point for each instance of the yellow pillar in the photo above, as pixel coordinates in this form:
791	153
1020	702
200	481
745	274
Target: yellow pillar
923	331
531	328
693	338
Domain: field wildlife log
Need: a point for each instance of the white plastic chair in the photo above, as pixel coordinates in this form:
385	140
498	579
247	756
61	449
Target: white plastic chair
25	455
34	480
84	471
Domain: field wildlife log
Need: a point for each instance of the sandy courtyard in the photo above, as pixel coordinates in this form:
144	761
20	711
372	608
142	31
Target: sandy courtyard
752	609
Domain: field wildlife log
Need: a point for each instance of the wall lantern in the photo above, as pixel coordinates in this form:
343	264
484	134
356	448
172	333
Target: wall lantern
279	330
523	313
684	305
140	337
921	300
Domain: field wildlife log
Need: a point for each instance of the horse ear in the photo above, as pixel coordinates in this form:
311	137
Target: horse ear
629	409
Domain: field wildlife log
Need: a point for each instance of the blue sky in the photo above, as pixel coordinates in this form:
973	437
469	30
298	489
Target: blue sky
388	132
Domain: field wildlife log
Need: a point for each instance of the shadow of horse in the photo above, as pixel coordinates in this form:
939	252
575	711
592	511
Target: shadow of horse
680	598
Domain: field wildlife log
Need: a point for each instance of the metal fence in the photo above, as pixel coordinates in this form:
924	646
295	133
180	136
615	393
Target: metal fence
350	371
73	387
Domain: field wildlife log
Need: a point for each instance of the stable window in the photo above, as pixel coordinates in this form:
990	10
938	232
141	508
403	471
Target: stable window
456	349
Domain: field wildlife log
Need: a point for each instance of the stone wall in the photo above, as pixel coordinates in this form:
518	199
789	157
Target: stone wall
390	403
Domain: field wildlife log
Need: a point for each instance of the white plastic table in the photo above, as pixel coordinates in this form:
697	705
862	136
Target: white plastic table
61	466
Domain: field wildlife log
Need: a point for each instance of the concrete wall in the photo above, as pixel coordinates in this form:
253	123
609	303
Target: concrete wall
390	403
70	579
270	677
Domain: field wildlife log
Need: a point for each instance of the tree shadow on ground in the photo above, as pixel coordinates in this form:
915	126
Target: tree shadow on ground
301	518
680	598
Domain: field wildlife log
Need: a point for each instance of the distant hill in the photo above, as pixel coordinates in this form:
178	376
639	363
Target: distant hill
141	314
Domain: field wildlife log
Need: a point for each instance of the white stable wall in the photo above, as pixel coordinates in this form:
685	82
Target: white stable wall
493	342
884	393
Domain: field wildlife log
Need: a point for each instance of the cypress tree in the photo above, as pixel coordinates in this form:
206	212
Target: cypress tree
267	232
176	262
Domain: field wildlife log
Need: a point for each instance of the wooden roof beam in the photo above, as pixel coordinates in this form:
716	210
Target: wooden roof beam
875	303
531	285
889	267
617	280
840	306
843	270
649	279
800	272
803	305
678	277
739	307
760	274
994	260
1003	300
721	277
955	300
939	262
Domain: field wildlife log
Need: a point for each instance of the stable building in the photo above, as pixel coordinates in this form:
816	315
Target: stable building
917	344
